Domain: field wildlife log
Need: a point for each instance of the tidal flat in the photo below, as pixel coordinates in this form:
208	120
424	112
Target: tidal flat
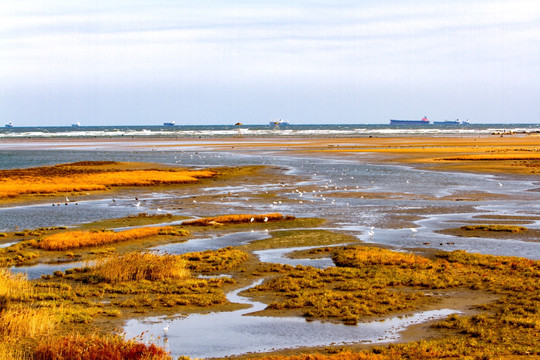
360	247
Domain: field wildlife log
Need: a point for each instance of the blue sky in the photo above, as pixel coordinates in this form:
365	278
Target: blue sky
311	62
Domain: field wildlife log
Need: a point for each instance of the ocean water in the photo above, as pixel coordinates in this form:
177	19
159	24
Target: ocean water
216	131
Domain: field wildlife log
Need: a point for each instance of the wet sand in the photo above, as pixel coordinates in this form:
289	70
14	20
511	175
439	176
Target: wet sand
511	154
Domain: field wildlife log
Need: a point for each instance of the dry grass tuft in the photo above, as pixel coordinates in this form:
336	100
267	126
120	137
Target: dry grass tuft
79	239
237	219
22	322
141	266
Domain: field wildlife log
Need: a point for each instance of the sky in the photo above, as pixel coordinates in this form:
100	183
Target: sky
143	62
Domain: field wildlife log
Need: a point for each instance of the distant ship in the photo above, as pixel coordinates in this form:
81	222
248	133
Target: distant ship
279	122
423	121
9	125
169	123
451	122
76	124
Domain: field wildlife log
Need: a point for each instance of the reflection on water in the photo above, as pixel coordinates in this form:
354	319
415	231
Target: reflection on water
213	243
233	333
280	256
35	271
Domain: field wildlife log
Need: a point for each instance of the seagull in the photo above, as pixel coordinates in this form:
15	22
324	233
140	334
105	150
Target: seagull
138	204
500	184
414	231
165	329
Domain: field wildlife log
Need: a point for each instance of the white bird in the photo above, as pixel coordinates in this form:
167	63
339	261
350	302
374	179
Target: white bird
414	231
252	220
265	219
165	329
500	184
138	204
67	200
371	232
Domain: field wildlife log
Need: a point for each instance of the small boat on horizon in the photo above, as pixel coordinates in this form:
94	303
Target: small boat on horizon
451	122
9	125
169	123
77	124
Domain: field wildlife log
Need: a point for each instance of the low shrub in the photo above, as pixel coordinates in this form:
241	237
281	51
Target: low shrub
77	347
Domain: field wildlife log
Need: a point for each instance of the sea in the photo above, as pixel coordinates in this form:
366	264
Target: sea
217	131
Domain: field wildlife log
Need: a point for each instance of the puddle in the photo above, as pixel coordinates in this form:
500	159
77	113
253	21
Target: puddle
35	271
213	243
234	333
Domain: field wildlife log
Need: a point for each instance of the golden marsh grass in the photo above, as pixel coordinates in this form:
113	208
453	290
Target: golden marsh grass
68	178
78	239
141	266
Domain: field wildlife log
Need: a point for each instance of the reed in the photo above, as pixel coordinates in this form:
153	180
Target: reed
141	266
19	321
13	287
78	239
237	219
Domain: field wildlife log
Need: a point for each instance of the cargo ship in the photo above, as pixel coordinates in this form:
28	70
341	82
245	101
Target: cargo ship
169	123
423	121
451	122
